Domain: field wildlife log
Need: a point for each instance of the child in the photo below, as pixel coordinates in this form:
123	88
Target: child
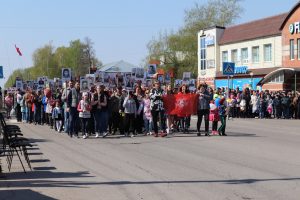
57	116
214	117
147	114
222	113
84	108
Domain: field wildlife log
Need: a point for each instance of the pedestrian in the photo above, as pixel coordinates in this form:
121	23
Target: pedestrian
203	109
157	109
147	114
214	117
130	114
222	114
57	115
9	104
84	108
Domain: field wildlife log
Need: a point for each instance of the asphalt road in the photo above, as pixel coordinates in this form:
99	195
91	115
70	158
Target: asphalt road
260	159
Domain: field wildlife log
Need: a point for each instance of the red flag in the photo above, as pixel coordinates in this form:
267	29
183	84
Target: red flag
182	105
185	104
169	104
18	50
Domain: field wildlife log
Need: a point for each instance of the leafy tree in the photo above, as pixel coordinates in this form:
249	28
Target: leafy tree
48	61
180	49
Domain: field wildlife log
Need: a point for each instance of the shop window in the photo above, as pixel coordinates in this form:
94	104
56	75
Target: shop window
234	55
279	78
202	53
255	54
224	56
268	52
244	54
292	49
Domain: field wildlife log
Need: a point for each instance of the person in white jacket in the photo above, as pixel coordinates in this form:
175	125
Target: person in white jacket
130	114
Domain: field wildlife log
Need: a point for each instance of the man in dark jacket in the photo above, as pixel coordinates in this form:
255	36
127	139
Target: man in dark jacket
203	109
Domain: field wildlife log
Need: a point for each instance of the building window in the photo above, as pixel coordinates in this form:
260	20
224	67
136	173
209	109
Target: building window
268	52
244	54
255	54
202	53
224	56
234	55
279	78
298	48
292	49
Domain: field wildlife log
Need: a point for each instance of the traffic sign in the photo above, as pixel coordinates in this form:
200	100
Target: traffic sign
1	72
228	68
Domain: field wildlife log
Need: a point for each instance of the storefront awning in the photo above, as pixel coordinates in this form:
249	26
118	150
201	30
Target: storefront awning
286	70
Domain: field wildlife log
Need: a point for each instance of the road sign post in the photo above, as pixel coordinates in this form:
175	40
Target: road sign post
228	70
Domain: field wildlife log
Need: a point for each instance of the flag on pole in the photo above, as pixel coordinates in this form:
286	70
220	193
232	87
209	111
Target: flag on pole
18	50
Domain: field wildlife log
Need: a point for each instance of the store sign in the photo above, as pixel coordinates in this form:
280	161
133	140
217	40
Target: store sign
209	40
241	70
294	28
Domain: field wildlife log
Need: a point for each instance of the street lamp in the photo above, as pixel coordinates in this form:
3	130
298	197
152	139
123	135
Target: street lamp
251	83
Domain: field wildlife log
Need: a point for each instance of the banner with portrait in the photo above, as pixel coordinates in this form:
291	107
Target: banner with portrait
66	74
84	85
151	70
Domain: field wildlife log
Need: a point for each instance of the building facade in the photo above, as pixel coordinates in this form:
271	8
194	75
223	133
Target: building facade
266	53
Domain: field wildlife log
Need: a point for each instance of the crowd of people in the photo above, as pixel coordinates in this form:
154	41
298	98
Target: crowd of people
104	111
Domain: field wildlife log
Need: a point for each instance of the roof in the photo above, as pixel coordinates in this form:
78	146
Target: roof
256	72
255	29
289	15
120	66
269	76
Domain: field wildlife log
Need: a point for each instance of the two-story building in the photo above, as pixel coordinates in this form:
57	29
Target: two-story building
266	53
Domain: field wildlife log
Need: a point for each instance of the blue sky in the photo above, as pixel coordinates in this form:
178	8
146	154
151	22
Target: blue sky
120	29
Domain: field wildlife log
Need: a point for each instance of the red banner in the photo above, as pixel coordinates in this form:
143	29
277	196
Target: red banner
181	105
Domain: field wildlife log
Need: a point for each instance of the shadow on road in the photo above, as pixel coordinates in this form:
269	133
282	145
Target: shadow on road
45	179
23	194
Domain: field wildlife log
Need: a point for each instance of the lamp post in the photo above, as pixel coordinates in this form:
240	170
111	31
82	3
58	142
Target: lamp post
251	83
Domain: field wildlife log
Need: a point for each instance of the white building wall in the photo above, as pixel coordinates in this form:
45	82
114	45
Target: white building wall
275	41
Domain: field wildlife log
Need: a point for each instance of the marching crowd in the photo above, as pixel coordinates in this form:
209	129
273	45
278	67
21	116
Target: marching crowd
103	111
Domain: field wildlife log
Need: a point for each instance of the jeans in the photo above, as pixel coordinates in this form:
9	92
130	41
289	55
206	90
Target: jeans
223	124
147	125
201	113
84	124
158	115
103	121
129	123
66	122
73	119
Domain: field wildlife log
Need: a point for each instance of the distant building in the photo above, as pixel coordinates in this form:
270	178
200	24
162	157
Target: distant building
266	53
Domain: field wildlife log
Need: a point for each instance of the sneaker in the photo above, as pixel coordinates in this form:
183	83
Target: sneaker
97	135
168	131
156	135
132	135
105	134
84	137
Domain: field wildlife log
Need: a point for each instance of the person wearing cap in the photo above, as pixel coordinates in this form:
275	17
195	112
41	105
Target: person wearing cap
157	109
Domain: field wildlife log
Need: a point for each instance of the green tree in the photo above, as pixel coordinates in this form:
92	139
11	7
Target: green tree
180	49
48	61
